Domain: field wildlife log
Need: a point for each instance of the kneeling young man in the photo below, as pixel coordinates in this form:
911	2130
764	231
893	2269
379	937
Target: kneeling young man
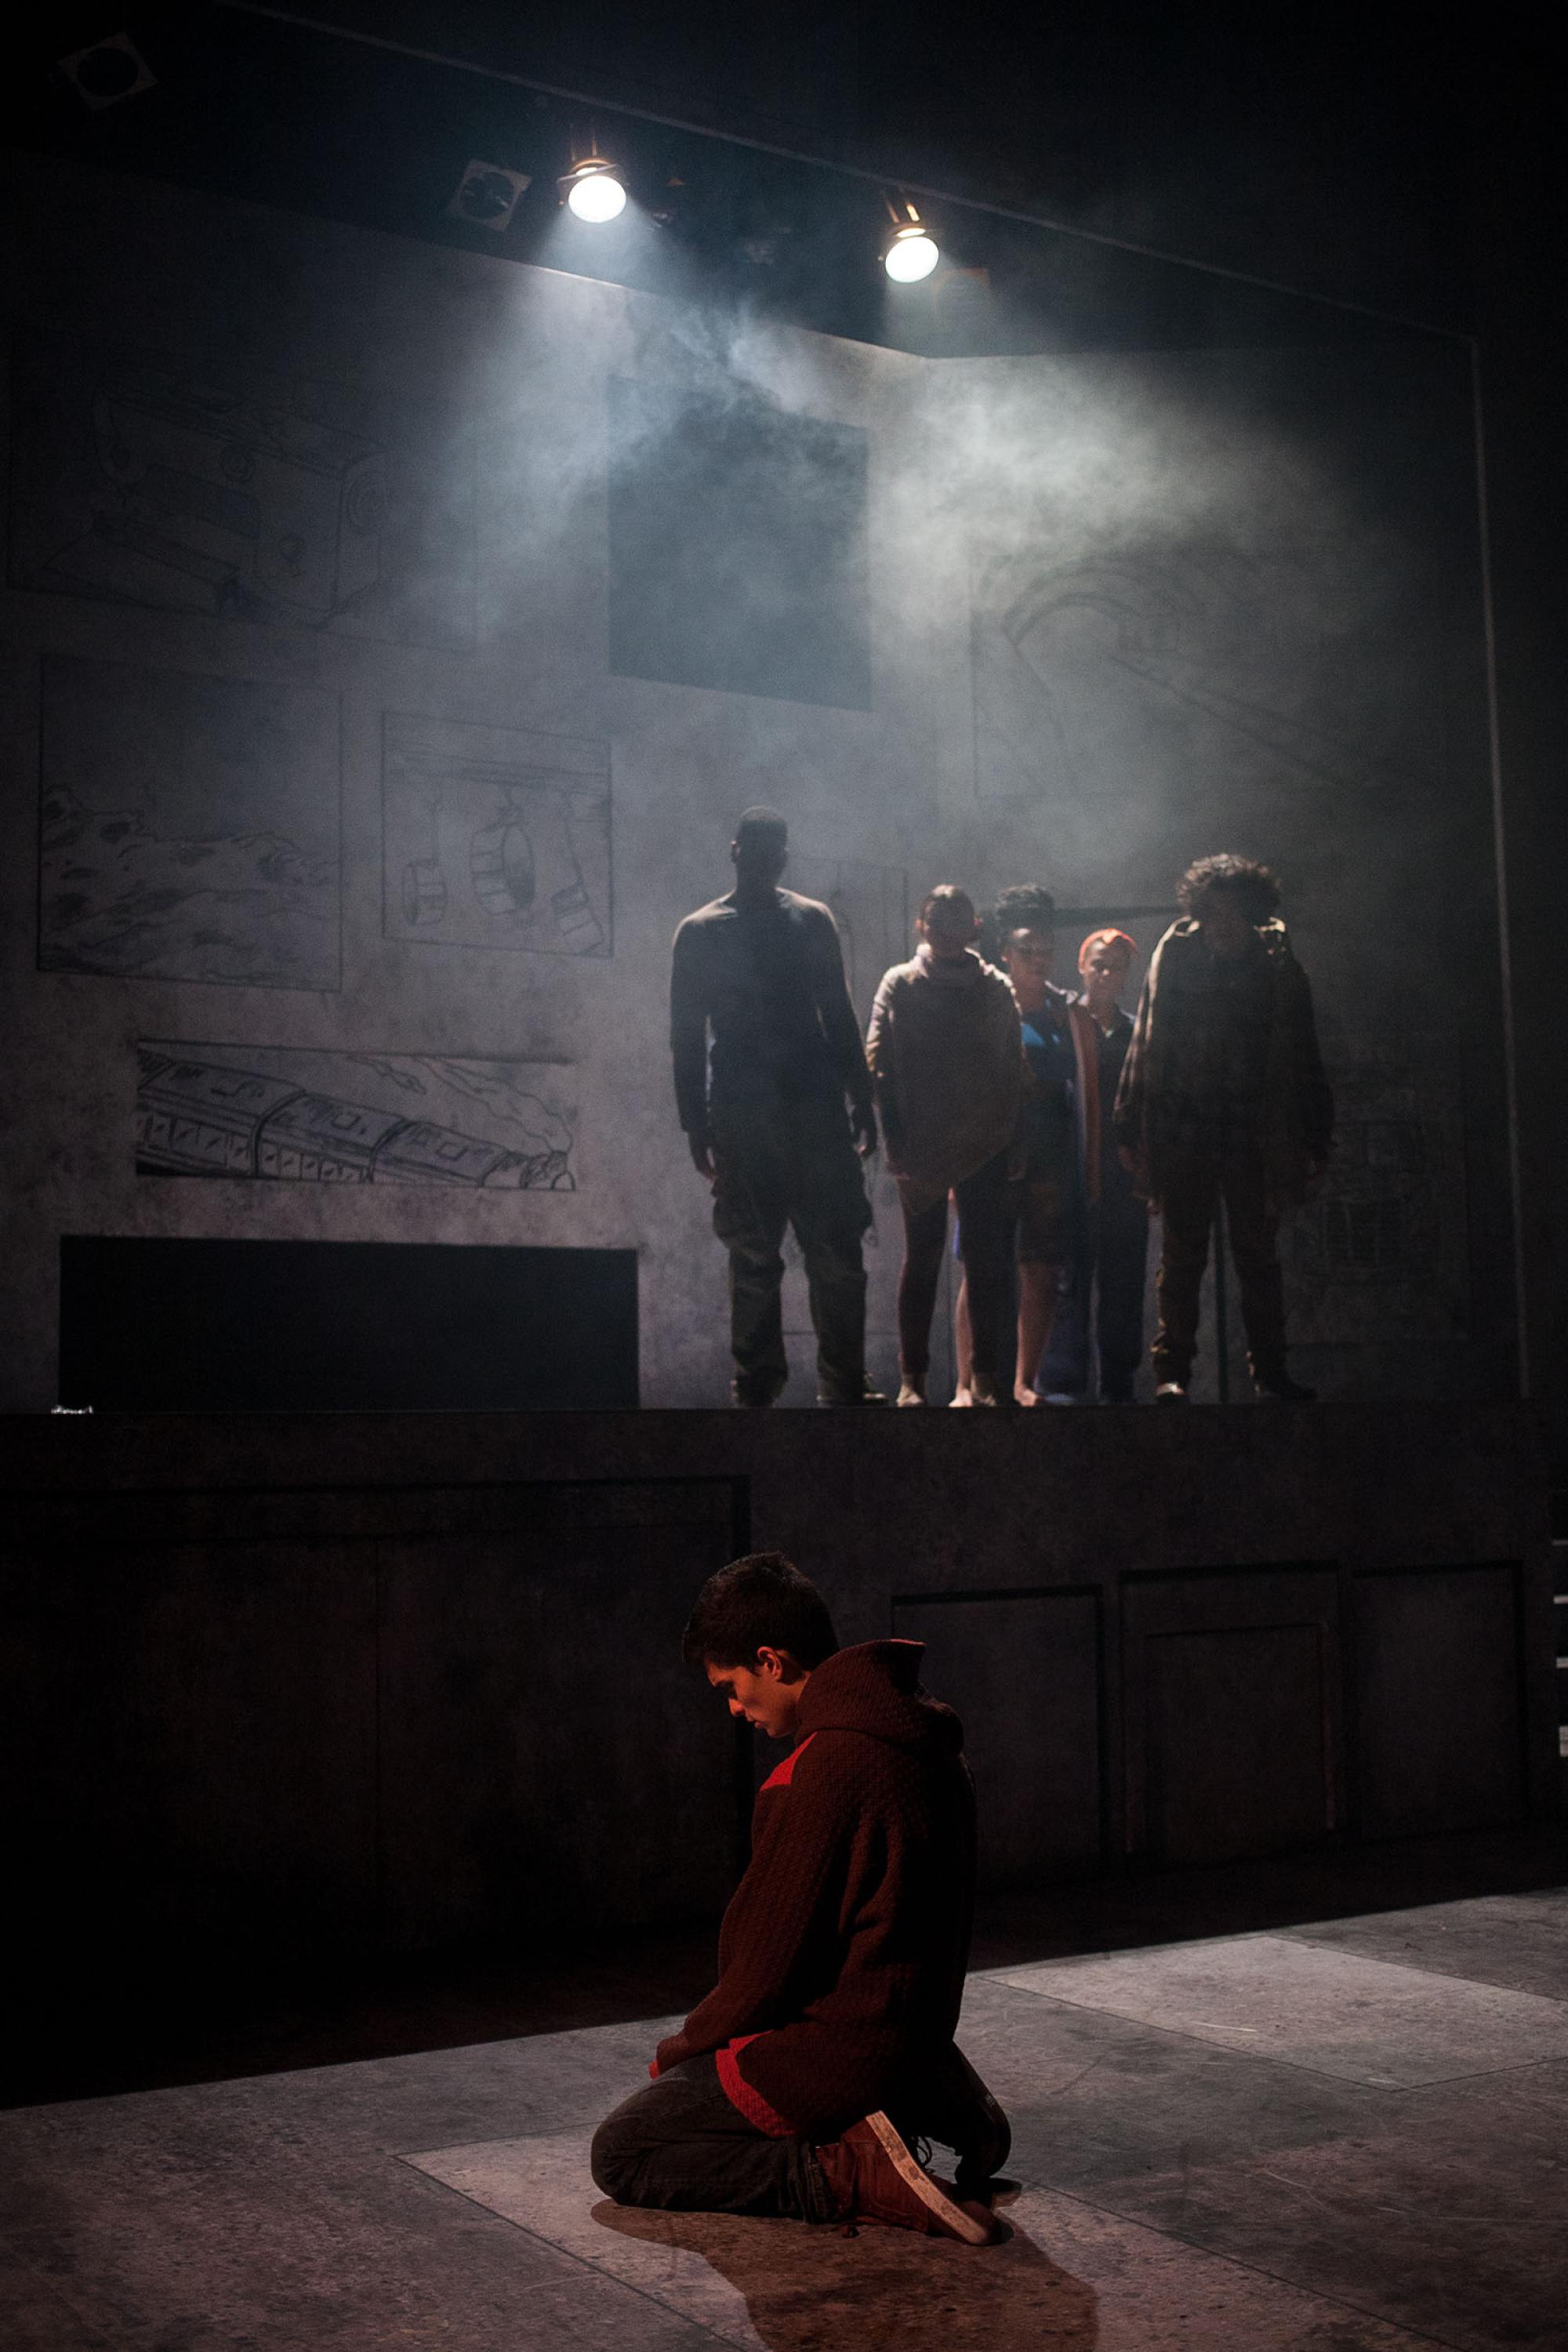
801	2085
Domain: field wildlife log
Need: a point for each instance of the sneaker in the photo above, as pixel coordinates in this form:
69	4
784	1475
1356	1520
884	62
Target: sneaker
874	2175
1283	1389
1171	1392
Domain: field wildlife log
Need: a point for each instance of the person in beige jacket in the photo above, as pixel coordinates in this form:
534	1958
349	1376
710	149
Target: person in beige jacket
947	1064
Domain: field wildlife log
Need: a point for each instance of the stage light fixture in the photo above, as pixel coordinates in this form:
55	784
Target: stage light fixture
592	190
912	252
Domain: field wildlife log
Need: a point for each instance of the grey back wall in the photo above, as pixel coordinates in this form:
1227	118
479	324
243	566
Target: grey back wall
394	635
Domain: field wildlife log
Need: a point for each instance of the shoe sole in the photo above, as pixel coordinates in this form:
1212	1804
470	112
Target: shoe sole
954	2219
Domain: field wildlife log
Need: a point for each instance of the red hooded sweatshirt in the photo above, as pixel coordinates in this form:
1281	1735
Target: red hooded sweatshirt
842	1955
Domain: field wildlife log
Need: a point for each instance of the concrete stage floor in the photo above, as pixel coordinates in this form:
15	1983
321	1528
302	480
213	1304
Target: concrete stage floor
1342	2137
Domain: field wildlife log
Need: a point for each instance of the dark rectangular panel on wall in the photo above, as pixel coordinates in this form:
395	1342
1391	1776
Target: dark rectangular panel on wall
738	546
187	1747
1437	1698
189	1326
1023	1669
1232	1712
546	1766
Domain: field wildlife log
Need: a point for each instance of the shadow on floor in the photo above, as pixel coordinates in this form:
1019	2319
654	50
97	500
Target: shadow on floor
817	2291
93	2023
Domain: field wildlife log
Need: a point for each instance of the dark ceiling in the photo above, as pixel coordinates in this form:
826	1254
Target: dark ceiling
1336	160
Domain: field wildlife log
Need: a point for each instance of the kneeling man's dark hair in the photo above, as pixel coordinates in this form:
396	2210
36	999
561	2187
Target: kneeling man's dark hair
760	1602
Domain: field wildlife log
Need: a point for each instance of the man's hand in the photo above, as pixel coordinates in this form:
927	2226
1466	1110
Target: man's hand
1129	1159
863	1124
701	1148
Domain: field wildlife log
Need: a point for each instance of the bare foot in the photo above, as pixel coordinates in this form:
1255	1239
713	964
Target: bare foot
1024	1395
960	1397
912	1392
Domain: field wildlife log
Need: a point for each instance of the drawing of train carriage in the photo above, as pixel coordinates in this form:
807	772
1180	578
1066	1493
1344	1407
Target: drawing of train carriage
205	1119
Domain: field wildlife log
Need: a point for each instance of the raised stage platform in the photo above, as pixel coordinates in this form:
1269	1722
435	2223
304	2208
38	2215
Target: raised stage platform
399	1682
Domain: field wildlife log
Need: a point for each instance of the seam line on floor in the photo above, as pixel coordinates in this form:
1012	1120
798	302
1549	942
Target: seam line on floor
1297	2066
1237	2262
583	2262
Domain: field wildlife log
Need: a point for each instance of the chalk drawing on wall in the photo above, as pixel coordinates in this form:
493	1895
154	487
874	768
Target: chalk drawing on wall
495	838
189	827
1127	677
199	485
293	1114
870	905
1383	1241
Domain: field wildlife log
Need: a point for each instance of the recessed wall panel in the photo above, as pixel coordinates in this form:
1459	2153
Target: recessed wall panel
1023	1671
1231	1712
546	1764
1438	1700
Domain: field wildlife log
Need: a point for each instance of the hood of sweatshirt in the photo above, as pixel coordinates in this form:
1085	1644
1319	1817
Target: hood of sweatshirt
875	1688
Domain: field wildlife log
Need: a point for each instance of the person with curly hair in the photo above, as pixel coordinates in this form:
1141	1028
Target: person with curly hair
1223	1097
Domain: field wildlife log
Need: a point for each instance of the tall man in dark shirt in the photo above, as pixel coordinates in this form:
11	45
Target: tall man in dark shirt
764	1113
1223	1096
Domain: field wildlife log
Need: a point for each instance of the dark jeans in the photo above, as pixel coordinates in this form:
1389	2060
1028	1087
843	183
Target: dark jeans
1113	1257
794	1164
1191	1185
986	1216
678	2144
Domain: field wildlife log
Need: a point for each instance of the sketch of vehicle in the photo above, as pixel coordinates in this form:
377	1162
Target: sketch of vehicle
198	1118
239	494
204	481
1133	652
495	838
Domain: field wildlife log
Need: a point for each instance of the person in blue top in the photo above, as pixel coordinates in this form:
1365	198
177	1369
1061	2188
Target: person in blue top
1112	1256
1058	1114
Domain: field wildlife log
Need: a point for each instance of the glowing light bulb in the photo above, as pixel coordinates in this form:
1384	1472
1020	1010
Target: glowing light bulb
596	195
912	256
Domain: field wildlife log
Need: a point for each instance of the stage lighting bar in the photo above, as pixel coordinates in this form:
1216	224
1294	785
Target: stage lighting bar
912	251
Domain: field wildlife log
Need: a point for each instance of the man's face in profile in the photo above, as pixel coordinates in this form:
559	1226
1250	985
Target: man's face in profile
762	1694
